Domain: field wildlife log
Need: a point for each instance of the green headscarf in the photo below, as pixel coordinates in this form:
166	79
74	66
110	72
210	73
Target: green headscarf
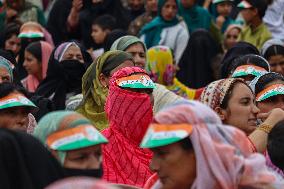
153	29
195	17
51	123
4	63
124	42
94	94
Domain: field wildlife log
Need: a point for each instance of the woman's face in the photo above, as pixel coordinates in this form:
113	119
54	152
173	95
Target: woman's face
272	102
4	75
105	79
138	53
276	63
145	91
231	38
175	166
169	10
224	8
13	44
73	53
85	158
32	64
241	111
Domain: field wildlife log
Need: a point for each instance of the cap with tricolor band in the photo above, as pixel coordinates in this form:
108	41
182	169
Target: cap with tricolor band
221	1
244	5
138	81
273	90
165	134
75	138
15	100
31	34
246	70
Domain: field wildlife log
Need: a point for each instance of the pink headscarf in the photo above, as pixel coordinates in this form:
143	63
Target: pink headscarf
32	81
129	114
223	157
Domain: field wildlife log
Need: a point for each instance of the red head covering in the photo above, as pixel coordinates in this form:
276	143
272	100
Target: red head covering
129	114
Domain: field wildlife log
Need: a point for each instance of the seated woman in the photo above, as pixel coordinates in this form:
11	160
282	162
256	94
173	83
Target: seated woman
25	162
231	36
248	67
74	141
129	111
166	29
182	138
15	108
273	52
161	68
66	66
36	62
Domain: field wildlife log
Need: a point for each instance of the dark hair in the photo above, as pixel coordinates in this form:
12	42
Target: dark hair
9	30
186	144
112	37
273	50
275	145
6	88
105	22
35	49
265	79
260	5
249	59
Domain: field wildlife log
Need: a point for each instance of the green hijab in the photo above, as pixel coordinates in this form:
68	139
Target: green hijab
195	17
124	42
153	29
52	122
94	94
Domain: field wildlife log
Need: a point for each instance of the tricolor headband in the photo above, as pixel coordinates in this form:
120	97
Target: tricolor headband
246	70
273	90
139	81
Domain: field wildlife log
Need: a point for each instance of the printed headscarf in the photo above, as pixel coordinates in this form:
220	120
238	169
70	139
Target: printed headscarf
60	121
45	50
160	66
223	157
6	64
214	94
94	94
129	115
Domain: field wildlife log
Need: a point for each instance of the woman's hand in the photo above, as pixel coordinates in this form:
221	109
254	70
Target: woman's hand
273	117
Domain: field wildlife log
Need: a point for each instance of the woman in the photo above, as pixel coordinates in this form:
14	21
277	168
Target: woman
22	161
15	109
182	138
231	36
162	70
9	38
6	70
37	55
166	29
248	67
198	62
273	52
233	100
134	46
66	66
129	111
74	141
95	85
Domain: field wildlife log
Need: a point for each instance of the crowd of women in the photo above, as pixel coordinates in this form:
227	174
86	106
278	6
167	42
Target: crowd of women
153	94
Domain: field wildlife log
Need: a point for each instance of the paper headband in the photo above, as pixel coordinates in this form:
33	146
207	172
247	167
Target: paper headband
15	100
31	34
139	81
244	5
273	90
246	70
75	138
161	135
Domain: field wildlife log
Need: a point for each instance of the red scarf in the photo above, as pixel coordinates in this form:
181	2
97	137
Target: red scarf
129	114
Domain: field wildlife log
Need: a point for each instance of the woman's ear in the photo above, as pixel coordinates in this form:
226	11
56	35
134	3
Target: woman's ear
221	112
103	80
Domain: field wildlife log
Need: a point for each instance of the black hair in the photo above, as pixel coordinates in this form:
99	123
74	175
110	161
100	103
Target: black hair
265	79
273	50
9	30
112	37
35	49
186	144
275	145
6	88
260	5
105	22
249	59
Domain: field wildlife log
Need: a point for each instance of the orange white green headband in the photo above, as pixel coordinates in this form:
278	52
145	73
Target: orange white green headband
273	90
165	134
139	81
246	70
